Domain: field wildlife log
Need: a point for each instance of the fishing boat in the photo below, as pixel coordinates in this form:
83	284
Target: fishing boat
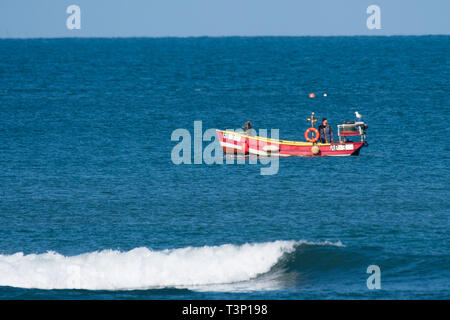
247	143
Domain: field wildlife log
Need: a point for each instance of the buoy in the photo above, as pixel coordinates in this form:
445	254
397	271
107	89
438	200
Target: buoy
315	149
312	95
324	94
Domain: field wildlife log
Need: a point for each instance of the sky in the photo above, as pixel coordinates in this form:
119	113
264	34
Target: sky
185	18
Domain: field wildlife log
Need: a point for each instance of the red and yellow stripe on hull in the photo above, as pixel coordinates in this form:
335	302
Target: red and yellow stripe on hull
234	142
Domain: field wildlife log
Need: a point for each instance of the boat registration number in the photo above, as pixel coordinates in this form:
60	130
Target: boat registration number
341	147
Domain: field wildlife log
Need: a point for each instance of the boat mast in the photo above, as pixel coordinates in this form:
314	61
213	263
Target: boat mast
312	119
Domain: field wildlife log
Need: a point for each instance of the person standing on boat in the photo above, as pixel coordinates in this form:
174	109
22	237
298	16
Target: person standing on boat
247	127
326	132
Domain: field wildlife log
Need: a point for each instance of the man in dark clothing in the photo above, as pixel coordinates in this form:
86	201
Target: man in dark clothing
247	126
326	133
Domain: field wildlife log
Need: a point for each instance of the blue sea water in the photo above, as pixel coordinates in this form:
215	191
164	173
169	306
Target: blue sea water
92	206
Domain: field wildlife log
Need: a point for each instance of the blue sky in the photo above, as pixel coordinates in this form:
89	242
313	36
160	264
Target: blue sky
160	18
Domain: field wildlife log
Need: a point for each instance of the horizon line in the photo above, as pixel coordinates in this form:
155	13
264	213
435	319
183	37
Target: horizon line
223	36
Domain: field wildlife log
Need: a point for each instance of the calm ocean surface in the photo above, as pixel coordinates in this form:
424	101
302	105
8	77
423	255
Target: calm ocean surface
90	199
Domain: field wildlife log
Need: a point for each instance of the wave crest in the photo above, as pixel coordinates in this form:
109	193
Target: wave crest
142	268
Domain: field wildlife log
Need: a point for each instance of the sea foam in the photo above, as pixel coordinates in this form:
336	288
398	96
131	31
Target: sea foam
142	268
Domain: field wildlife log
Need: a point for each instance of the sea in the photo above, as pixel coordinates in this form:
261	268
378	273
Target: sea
93	205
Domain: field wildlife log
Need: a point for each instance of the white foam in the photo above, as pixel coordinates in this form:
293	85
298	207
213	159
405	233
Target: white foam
142	268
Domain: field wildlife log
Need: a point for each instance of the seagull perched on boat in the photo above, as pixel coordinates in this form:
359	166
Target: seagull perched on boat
359	116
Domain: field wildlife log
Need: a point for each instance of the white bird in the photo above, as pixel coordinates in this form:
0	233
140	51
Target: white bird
359	116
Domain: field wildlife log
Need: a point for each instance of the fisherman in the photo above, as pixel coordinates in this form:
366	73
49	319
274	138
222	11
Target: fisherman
247	127
326	132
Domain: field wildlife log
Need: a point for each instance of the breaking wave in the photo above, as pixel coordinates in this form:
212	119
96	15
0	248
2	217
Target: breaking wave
142	268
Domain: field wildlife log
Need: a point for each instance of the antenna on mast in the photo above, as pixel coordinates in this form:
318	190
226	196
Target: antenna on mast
312	119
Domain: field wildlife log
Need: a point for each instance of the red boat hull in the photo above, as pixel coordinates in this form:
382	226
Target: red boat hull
233	142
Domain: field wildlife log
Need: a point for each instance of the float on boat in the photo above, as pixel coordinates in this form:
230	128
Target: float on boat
244	143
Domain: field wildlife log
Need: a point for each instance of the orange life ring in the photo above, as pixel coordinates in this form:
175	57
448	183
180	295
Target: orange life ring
316	134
